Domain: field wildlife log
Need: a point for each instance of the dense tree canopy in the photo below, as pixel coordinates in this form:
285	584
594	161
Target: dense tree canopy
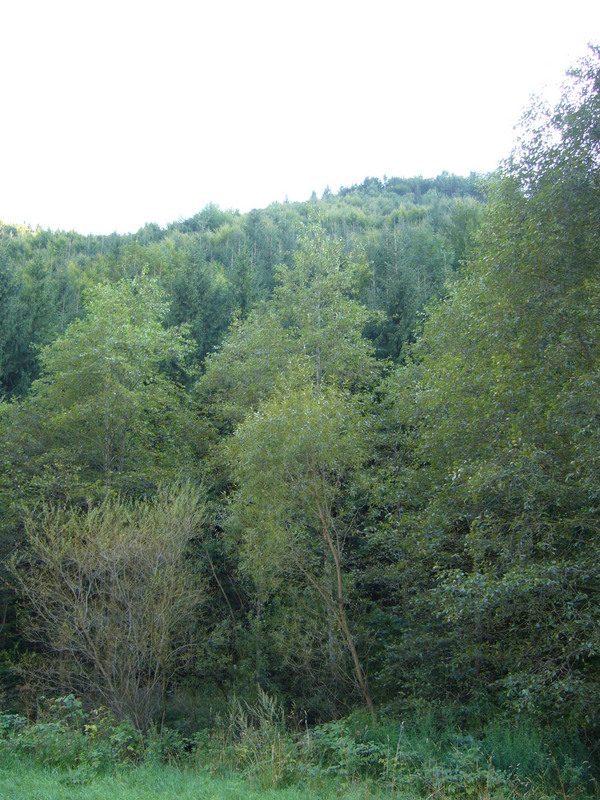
107	413
390	395
313	317
500	419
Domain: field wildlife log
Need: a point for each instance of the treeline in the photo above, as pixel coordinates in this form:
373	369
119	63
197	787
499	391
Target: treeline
218	264
344	452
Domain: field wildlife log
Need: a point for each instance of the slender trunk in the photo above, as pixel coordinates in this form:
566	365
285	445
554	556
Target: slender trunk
257	637
359	674
329	609
163	696
318	367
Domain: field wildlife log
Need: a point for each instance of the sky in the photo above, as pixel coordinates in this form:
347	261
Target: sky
116	114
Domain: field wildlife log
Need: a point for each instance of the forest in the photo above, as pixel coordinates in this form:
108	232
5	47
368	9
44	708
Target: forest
323	472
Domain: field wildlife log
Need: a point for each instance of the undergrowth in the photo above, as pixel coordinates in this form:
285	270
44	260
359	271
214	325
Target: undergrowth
254	743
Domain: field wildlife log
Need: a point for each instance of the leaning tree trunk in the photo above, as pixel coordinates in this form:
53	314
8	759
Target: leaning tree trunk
359	673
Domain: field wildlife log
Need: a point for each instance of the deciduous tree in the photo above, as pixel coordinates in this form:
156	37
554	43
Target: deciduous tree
499	415
296	461
108	413
112	598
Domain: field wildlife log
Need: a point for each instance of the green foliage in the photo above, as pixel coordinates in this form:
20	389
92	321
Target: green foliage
316	301
293	461
438	533
56	739
290	460
64	736
498	440
313	317
16	369
203	298
245	370
423	757
108	413
253	743
251	739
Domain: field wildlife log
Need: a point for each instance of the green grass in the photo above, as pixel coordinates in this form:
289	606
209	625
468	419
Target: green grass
71	755
22	779
25	780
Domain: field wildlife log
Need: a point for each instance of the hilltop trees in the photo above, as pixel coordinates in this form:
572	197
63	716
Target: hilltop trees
314	317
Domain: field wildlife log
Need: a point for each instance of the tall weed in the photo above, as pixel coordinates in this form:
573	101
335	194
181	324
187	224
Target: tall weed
252	739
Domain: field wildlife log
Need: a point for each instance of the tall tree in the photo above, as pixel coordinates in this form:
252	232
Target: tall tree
499	417
295	459
108	413
296	462
314	315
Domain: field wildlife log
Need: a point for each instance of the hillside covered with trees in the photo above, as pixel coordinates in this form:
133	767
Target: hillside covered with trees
339	456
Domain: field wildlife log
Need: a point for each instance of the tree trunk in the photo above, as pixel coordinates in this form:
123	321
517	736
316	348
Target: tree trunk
359	674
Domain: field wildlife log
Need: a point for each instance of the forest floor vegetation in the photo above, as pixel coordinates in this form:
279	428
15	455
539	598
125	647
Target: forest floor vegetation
250	753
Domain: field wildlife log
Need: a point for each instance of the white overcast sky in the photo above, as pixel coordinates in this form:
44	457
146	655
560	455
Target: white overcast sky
115	114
